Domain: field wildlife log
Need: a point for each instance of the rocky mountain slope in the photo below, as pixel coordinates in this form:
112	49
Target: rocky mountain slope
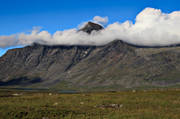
113	66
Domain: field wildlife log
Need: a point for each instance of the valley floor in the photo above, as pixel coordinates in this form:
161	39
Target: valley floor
141	104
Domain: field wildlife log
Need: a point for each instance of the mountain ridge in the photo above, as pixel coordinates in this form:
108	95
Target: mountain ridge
113	66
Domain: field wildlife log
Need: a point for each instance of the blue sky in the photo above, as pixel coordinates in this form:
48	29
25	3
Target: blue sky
18	16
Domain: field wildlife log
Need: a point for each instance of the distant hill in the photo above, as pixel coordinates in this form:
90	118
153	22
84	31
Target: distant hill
113	66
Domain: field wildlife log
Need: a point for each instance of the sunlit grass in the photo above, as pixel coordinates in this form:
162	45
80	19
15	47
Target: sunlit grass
155	104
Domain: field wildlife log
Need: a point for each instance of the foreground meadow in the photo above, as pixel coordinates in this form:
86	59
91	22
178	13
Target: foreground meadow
152	104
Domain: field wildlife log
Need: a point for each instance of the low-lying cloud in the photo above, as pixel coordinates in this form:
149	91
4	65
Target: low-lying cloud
152	27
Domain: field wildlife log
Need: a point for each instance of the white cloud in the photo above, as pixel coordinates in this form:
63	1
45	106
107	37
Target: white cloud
100	20
97	19
8	41
152	28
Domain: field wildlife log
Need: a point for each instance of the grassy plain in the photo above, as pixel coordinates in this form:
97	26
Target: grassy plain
139	104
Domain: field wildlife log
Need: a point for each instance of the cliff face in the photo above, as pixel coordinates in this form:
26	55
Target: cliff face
113	66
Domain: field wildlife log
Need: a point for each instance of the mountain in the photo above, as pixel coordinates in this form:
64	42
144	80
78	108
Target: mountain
90	26
116	65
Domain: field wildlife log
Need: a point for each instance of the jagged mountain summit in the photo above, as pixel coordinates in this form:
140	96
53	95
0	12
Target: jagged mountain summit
113	66
90	26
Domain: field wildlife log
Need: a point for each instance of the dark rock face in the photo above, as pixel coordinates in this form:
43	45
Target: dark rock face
21	81
90	26
113	66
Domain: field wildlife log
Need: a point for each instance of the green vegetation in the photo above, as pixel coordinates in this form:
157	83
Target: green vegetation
134	104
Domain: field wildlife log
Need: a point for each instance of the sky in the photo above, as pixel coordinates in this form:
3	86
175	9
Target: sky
17	16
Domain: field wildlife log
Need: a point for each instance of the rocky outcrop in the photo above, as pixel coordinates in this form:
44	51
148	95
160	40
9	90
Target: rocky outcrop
90	26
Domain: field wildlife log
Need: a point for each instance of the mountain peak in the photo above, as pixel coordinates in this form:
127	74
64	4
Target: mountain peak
90	26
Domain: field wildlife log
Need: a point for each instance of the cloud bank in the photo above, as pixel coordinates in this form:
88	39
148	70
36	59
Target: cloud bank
152	27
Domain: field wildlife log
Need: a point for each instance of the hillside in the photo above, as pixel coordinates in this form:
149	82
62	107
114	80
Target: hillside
113	66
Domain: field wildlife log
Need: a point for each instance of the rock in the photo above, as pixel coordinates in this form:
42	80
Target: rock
133	91
55	104
90	26
16	94
115	106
